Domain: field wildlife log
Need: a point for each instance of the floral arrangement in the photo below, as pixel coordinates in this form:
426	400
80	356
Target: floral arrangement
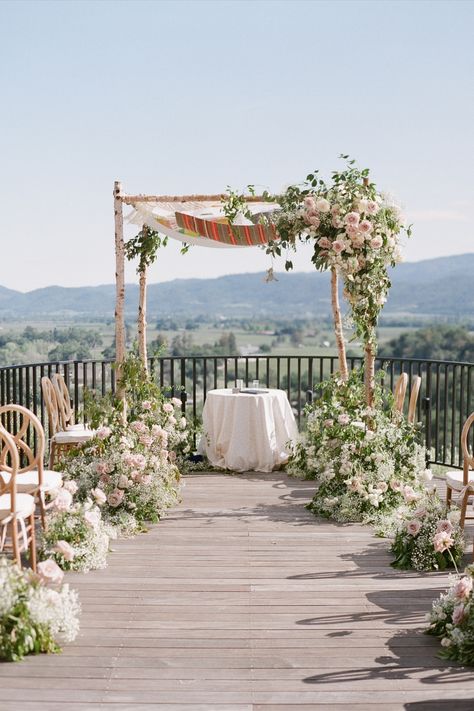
363	472
452	619
35	618
127	471
75	537
428	536
353	227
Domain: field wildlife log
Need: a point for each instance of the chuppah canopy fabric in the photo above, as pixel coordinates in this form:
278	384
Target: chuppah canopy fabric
203	222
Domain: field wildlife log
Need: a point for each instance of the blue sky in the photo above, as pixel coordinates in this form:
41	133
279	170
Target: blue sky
178	97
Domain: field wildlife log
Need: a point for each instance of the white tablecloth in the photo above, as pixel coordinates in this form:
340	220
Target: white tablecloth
246	432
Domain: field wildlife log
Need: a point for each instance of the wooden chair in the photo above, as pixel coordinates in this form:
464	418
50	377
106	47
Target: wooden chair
62	436
17	511
462	482
415	391
29	438
399	393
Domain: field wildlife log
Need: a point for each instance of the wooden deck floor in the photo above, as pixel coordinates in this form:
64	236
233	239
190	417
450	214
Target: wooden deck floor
241	600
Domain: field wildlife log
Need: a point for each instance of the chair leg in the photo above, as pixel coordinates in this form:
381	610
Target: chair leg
463	509
52	454
33	543
15	544
42	508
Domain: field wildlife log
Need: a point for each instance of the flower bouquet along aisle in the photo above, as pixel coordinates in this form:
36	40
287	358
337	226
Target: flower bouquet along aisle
37	612
452	618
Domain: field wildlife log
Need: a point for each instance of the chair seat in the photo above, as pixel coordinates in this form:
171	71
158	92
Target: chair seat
455	480
28	481
25	506
75	436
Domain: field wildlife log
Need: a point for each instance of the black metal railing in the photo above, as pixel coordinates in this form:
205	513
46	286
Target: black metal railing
446	396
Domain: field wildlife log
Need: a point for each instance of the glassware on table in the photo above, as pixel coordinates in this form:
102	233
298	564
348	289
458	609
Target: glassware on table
239	384
256	384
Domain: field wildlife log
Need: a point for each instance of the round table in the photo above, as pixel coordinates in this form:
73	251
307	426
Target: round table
247	432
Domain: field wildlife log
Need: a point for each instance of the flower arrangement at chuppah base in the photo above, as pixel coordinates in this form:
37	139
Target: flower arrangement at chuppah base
452	618
363	473
428	536
129	468
76	537
35	617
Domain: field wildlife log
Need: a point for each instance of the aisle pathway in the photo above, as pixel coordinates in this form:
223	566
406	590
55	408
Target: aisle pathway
241	600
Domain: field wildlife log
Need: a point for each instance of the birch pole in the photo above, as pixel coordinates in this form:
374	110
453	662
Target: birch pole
142	324
336	312
369	374
119	286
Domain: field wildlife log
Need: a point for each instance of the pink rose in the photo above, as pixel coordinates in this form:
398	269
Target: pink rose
376	242
146	405
344	419
458	614
463	587
413	527
314	221
372	207
357	240
64	549
337	222
103	432
49	572
63	500
176	401
115	498
138	426
445	526
99	496
409	494
442	541
352	218
139	461
395	485
328	423
146	440
381	485
70	486
101	468
168	407
338	246
123	482
324	243
104	480
420	513
144	479
309	203
366	227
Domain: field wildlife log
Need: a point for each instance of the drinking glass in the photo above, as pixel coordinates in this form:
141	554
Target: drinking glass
256	384
239	384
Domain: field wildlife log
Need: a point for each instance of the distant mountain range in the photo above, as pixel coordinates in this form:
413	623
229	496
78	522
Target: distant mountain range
433	287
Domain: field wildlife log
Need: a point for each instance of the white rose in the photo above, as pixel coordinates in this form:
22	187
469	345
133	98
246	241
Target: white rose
323	205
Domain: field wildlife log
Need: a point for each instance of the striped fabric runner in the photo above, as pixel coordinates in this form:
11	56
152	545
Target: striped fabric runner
238	235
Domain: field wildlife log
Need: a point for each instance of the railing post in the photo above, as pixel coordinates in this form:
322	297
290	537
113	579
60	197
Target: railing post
427	410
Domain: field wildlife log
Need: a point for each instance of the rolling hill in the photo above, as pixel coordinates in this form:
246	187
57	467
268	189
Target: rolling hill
434	287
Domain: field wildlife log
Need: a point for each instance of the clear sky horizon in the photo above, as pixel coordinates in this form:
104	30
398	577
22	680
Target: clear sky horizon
184	97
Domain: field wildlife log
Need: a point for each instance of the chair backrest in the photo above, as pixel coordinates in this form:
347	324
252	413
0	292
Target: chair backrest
51	401
66	411
415	391
27	434
467	456
399	392
9	462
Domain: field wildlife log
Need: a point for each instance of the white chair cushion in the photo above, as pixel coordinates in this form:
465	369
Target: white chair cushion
25	505
455	480
73	436
28	481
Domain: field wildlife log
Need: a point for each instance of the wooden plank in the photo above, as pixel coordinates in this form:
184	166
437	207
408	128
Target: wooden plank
240	600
